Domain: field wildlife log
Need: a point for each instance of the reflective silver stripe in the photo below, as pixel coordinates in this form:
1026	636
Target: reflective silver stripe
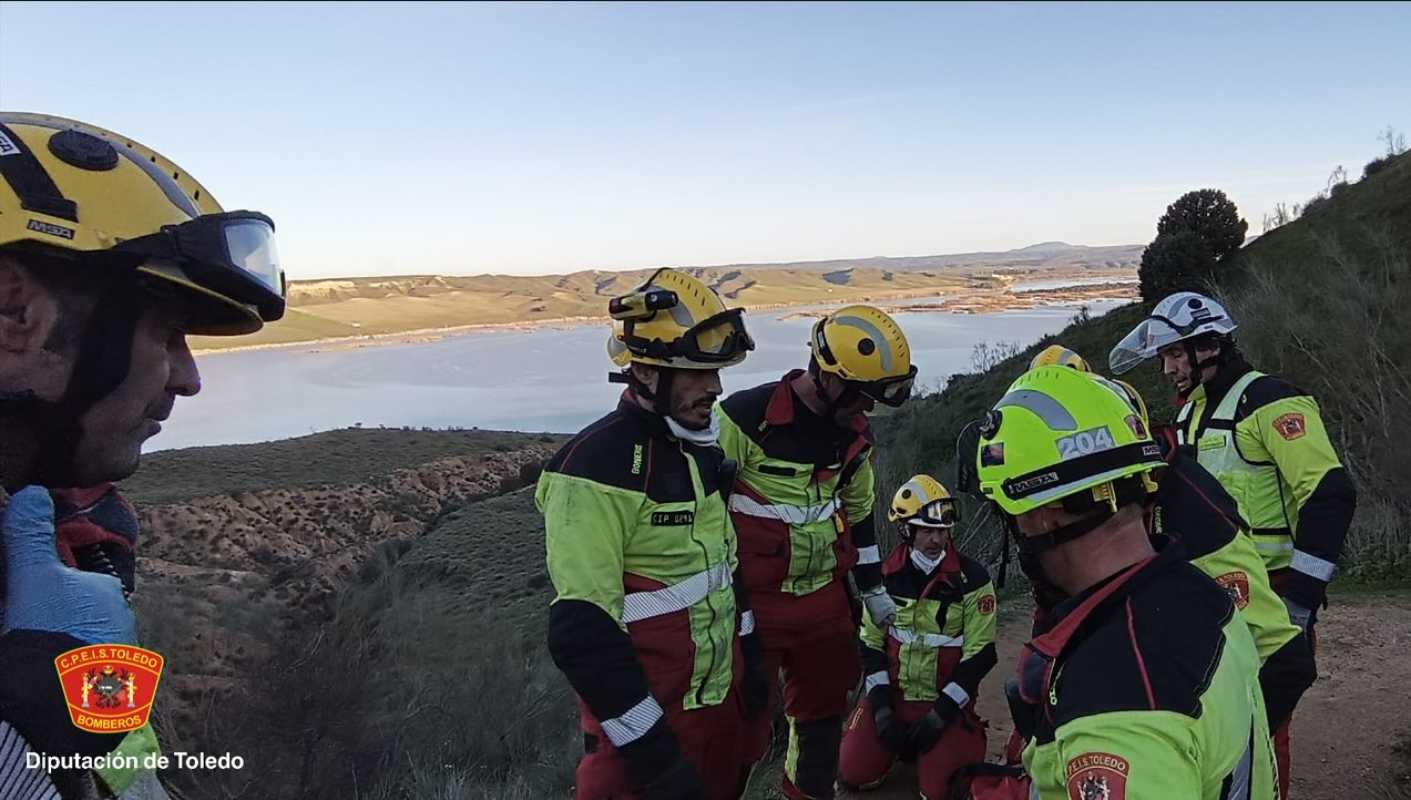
677	597
878	678
1314	566
1052	412
1273	547
954	691
17	779
747	623
869	555
633	723
1239	786
793	515
906	636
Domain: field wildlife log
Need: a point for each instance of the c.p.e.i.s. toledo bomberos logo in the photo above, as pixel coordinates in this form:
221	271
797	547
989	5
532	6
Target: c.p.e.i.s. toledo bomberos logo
109	688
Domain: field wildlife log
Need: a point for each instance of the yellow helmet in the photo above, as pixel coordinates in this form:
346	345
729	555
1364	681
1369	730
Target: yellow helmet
1056	355
864	345
675	320
1057	433
1133	398
923	501
86	194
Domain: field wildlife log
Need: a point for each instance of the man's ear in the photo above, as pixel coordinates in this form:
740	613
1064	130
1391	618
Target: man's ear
27	310
645	373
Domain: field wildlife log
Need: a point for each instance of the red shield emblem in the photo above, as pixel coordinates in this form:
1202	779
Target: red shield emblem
1237	585
109	688
1097	776
986	604
1291	426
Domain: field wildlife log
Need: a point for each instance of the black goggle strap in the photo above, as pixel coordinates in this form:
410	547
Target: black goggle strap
737	341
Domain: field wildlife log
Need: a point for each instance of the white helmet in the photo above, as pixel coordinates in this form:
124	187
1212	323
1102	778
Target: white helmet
1181	316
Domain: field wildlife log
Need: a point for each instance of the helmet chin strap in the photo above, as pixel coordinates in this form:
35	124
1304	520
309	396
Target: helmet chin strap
1198	366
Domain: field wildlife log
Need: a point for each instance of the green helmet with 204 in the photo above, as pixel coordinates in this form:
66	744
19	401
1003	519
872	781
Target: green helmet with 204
1057	433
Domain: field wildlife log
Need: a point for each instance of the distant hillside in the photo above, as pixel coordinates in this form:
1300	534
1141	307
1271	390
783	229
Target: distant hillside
360	307
1321	301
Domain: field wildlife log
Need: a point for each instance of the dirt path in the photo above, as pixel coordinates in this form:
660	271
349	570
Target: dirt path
1351	732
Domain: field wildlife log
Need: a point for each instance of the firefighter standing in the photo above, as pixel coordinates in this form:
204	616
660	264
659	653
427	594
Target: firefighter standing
1264	441
803	508
646	622
923	672
1145	682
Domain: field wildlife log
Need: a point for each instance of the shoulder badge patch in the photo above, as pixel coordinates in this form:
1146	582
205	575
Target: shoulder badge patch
986	604
1097	776
1237	585
1291	425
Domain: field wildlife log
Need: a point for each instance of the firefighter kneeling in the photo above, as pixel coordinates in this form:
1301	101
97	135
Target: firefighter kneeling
924	670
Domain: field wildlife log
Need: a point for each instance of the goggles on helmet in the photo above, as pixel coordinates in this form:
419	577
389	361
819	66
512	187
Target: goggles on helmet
939	513
889	391
232	254
718	339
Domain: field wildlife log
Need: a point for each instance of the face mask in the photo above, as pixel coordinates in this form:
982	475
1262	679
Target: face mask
705	437
925	564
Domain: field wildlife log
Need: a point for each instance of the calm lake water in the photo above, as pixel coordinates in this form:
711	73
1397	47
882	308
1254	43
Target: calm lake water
540	380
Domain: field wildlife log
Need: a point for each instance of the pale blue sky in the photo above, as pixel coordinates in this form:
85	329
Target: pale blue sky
547	138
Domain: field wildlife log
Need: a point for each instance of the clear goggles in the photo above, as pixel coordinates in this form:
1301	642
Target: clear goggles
232	254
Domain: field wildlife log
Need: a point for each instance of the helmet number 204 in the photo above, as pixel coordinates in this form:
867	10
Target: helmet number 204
1085	442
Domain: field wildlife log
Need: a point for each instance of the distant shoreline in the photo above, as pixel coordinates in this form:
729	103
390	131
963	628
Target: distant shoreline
958	301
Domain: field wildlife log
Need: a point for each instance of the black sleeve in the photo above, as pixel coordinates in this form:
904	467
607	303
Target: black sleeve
971	671
1196	509
873	660
32	700
1322	527
597	657
1285	676
864	538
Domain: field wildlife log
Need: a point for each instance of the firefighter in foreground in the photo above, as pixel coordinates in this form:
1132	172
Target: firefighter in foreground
1190	505
923	672
646	623
1147	675
1264	441
803	508
110	255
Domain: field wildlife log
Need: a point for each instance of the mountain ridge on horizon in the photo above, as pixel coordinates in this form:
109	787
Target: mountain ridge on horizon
1118	255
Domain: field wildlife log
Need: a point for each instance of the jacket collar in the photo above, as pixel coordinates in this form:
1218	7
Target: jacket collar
1225	377
784	406
1072	614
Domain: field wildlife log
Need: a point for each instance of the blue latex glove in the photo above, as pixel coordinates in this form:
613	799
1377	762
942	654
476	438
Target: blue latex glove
44	594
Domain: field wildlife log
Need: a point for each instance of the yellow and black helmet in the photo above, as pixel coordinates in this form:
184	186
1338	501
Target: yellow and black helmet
675	320
1056	355
923	501
78	191
865	346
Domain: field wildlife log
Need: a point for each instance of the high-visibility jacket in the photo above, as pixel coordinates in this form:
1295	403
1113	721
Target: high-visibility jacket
803	495
1147	690
641	554
1265	442
1192	507
943	639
